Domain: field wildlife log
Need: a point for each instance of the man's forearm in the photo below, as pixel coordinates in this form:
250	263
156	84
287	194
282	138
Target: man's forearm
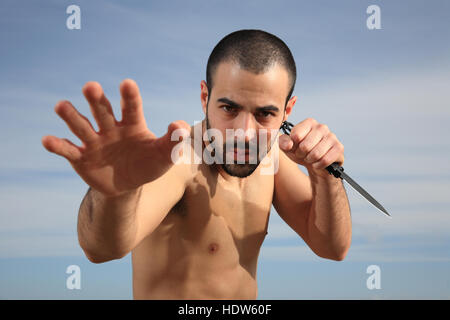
107	225
329	219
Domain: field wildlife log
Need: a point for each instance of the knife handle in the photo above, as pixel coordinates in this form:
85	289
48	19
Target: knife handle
335	169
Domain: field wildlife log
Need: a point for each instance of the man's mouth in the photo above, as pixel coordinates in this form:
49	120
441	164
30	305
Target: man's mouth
241	152
241	155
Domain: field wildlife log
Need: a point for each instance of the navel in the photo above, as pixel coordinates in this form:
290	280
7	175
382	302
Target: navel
213	248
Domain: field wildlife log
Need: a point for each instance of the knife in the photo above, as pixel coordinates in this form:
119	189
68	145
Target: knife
336	170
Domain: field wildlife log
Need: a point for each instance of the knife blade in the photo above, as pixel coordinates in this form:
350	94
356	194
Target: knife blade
336	170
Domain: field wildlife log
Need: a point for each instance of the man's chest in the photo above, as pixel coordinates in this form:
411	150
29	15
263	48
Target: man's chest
219	217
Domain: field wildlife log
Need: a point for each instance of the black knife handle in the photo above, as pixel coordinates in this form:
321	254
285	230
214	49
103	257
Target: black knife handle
335	169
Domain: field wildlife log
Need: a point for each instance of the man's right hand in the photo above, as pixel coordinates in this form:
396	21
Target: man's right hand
121	156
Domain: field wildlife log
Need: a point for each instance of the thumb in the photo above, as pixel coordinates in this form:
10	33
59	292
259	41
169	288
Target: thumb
285	142
288	146
177	131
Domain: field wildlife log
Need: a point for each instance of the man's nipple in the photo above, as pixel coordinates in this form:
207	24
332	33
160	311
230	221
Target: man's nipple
213	248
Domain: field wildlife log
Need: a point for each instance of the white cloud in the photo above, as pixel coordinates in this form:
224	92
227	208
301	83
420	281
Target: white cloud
395	95
388	122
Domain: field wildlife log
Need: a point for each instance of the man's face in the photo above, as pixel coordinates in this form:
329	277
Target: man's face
254	103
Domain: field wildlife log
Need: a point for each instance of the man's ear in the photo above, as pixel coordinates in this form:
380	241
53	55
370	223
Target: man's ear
204	95
289	107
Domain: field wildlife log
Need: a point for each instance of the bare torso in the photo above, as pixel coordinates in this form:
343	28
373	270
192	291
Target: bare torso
208	245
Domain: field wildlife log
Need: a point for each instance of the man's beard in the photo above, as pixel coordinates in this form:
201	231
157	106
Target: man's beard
240	170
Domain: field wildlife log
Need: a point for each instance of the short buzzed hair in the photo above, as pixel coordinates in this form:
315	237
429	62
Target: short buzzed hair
255	51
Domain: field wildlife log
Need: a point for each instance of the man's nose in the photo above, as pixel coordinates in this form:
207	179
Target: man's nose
249	126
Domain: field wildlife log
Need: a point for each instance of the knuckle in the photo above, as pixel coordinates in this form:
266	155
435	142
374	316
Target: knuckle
323	164
324	161
83	132
295	137
303	147
313	156
323	127
311	120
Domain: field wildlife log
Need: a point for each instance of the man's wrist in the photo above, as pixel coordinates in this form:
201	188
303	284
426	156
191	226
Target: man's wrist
320	175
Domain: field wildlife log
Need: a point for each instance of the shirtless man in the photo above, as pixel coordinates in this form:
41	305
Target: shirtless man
195	229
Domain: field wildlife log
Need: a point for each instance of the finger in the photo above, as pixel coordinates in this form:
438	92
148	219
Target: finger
285	142
77	123
302	129
62	147
333	155
100	107
177	131
131	103
319	150
312	139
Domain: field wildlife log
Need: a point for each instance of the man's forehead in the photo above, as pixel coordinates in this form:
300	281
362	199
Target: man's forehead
231	69
240	85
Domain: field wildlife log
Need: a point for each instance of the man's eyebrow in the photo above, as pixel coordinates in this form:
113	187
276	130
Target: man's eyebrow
236	105
268	108
229	102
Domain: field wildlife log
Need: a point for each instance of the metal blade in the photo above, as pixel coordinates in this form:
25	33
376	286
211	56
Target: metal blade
338	172
364	193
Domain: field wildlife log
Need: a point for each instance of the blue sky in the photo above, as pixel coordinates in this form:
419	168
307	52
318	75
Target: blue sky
385	93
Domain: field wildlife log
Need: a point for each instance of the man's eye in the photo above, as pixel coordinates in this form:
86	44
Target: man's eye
228	109
266	114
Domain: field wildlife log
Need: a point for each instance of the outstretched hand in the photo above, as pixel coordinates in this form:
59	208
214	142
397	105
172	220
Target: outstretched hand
122	155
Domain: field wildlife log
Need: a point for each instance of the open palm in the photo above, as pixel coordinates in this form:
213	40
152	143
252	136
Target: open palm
121	156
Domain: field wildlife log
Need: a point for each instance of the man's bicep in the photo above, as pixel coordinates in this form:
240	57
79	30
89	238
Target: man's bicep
158	198
292	195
